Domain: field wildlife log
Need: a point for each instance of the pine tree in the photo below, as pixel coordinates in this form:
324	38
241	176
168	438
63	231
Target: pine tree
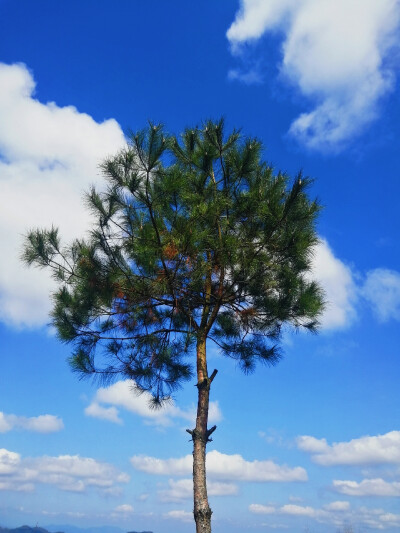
195	239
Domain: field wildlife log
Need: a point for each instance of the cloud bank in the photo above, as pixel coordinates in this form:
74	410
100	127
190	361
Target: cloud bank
380	449
221	467
37	424
49	155
337	513
70	473
367	487
336	54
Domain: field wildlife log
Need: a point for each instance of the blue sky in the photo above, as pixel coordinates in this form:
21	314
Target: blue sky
311	443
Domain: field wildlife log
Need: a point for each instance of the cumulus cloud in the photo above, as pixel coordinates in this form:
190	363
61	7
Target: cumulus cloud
258	508
336	513
37	424
380	449
122	394
367	487
335	53
70	473
221	467
105	413
184	516
339	286
337	506
298	510
382	290
8	461
182	489
49	155
289	509
234	467
164	467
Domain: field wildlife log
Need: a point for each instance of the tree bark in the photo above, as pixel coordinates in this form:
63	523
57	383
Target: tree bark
202	512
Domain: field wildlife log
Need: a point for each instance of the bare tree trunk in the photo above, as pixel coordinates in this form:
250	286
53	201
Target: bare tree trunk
202	512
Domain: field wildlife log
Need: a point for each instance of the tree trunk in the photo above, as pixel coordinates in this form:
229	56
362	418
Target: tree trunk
202	512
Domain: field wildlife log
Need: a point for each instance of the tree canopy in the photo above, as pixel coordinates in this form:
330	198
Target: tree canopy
193	237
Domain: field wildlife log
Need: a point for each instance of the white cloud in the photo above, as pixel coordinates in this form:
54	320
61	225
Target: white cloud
105	413
390	519
295	499
379	449
258	508
382	290
298	510
37	424
214	412
367	487
124	509
337	280
337	506
66	472
49	156
5	424
8	461
376	518
234	467
182	489
184	516
177	490
311	444
122	394
336	514
255	17
222	467
335	53
219	488
163	467
288	509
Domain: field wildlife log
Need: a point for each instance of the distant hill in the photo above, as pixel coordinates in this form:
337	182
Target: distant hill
66	529
26	529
